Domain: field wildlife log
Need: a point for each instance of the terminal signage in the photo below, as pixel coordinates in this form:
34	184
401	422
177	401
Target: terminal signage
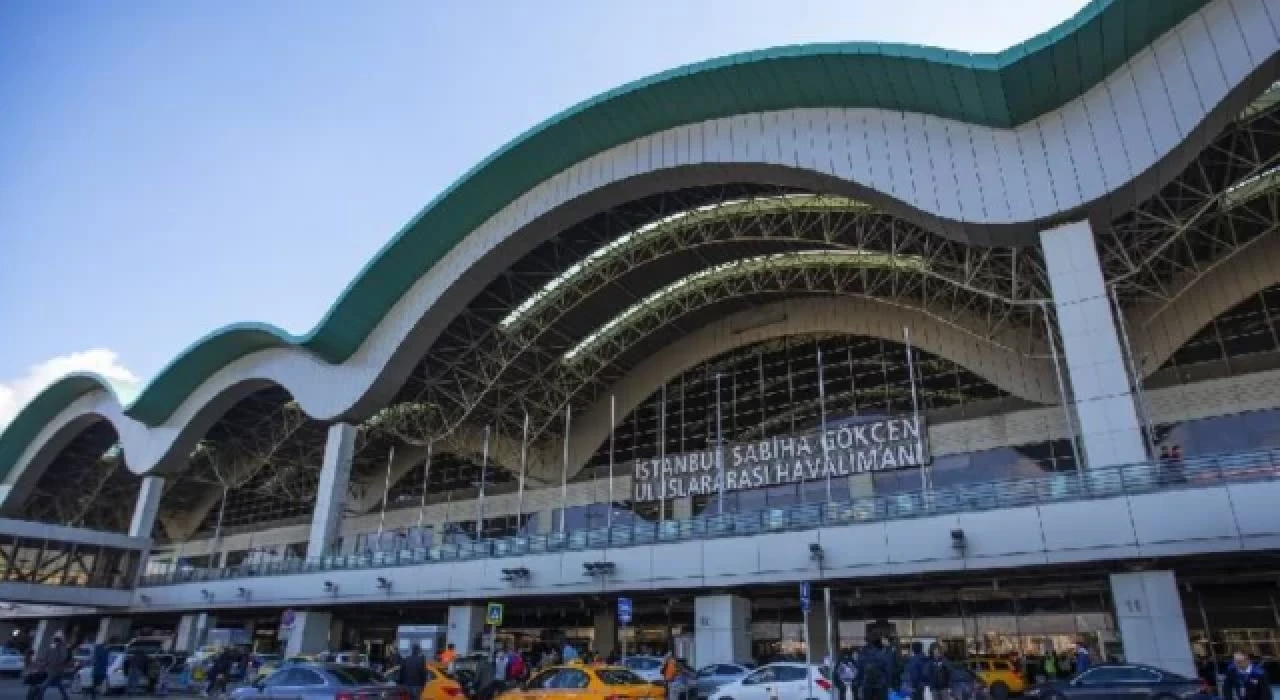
493	614
855	448
624	610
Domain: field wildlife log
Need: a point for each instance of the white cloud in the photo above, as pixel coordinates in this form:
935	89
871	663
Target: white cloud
15	393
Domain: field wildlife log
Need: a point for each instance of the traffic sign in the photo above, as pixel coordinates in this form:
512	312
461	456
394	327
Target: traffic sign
624	610
493	615
805	597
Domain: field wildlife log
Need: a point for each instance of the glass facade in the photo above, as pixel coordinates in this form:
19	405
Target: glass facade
1028	624
53	563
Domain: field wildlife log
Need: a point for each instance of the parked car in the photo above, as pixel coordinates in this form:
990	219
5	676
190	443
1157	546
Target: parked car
117	675
1130	681
783	680
966	685
10	662
650	669
577	682
712	677
323	681
1001	676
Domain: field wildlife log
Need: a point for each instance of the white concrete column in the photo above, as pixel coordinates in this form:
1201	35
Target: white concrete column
113	628
682	508
1153	629
604	636
1108	417
466	625
335	478
191	631
148	504
722	633
310	633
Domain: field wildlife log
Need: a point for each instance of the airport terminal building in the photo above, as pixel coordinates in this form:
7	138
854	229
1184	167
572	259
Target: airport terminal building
982	347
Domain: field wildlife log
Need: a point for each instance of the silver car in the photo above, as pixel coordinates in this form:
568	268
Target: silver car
323	682
716	675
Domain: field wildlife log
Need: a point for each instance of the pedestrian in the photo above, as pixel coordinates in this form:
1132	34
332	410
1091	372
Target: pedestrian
52	662
875	672
937	674
484	679
569	654
516	667
844	678
136	664
1082	657
916	666
1245	680
413	672
501	666
670	672
32	676
98	659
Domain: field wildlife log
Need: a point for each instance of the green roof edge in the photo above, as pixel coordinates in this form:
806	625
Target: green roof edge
518	166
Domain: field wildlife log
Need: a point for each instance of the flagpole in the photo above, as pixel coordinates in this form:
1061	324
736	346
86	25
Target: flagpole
524	461
822	413
608	518
915	407
426	474
484	476
386	490
564	473
719	445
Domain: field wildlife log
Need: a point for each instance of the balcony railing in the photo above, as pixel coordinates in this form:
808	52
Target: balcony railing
1100	482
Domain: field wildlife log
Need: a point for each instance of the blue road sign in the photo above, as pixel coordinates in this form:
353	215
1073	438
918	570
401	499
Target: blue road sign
624	610
493	615
805	597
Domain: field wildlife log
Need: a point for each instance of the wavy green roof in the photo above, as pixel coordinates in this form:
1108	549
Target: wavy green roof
998	90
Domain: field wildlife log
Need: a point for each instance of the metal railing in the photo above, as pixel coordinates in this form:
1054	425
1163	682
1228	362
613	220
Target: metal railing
1099	482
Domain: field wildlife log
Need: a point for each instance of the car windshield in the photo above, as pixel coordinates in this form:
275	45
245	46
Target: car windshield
618	676
356	675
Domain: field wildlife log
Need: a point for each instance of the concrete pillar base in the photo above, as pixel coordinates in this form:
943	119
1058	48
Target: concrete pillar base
605	634
466	628
1149	614
113	630
310	633
722	633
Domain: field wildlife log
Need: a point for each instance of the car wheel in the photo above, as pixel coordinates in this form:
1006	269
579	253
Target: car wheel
999	691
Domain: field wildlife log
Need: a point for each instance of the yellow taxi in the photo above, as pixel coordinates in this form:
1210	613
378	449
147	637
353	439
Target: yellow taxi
579	682
440	686
1001	675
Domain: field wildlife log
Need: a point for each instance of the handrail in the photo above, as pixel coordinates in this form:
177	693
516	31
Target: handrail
1098	482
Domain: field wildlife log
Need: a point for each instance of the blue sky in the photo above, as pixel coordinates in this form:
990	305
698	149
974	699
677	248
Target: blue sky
170	167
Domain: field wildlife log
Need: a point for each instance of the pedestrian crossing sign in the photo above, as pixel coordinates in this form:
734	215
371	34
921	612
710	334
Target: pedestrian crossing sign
493	615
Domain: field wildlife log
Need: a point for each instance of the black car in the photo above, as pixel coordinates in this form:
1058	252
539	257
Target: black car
1121	681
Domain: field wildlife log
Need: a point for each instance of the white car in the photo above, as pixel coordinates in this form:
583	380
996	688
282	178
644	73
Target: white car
10	662
650	669
117	679
783	680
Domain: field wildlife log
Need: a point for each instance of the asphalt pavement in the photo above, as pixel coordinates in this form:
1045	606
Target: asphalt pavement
13	689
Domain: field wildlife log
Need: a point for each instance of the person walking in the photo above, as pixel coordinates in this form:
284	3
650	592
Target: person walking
1082	658
52	662
876	672
670	672
1245	680
916	666
937	674
98	660
413	672
137	664
844	676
